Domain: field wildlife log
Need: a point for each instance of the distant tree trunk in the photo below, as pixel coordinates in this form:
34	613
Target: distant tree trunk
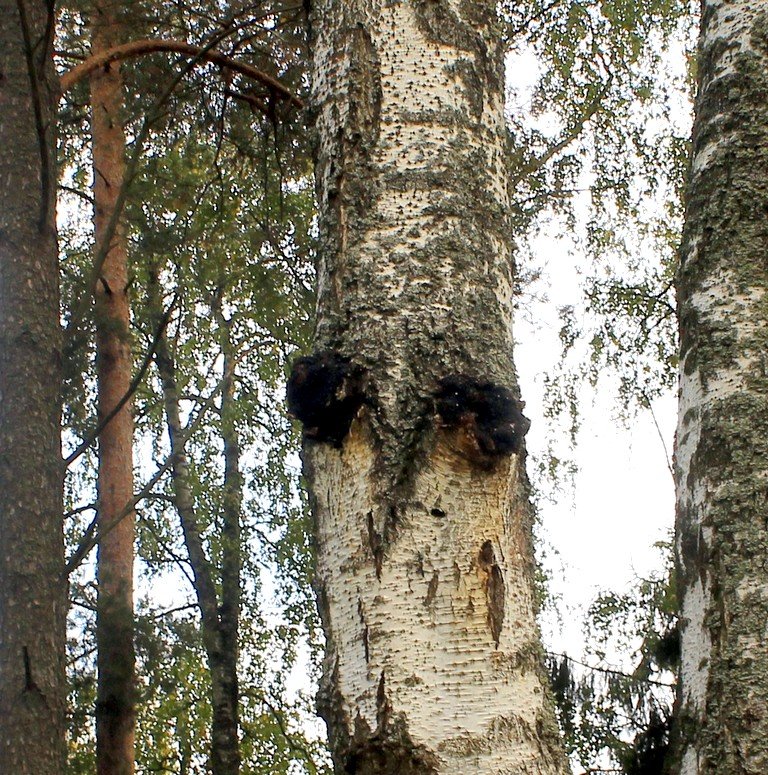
410	403
225	749
229	610
32	586
116	696
722	447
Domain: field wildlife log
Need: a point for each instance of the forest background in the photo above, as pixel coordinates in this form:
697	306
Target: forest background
216	208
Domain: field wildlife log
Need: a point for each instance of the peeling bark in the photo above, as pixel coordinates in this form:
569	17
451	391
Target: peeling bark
116	691
422	522
721	449
32	586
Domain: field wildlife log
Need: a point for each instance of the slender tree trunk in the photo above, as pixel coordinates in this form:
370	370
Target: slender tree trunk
229	610
116	700
722	454
225	750
410	403
32	586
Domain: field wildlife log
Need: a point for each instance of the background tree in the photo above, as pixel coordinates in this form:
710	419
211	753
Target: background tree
600	133
616	720
593	53
32	590
116	689
721	452
198	194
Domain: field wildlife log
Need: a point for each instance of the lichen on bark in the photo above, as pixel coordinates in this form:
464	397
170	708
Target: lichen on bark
424	561
722	454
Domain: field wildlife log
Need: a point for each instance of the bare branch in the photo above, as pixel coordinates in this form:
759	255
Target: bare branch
94	434
154	45
90	539
77	192
612	671
538	162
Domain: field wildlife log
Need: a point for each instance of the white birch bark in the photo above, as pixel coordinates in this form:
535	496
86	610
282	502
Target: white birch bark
722	456
424	560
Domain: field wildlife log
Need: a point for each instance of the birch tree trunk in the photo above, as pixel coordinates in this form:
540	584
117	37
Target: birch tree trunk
231	534
32	586
722	452
116	700
218	630
410	403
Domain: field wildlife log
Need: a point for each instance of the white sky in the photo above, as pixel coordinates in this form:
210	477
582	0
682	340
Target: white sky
603	530
601	534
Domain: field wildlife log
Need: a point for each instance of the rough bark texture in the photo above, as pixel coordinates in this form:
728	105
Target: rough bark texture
722	452
116	697
423	526
215	624
32	587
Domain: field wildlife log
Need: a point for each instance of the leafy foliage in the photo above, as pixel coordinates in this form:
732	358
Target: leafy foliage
600	107
220	202
614	719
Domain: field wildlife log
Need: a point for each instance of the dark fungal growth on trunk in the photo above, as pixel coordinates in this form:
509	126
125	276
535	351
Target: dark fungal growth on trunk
325	392
488	416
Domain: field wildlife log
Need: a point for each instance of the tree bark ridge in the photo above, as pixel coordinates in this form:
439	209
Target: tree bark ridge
116	689
32	590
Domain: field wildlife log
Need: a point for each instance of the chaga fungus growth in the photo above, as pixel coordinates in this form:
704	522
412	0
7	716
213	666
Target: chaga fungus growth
490	416
325	392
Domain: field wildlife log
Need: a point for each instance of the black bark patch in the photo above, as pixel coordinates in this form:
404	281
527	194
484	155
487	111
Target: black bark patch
29	681
383	708
490	415
325	392
432	589
390	749
376	545
365	633
494	590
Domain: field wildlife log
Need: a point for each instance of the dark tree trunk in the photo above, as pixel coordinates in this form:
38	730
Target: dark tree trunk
229	610
32	586
225	750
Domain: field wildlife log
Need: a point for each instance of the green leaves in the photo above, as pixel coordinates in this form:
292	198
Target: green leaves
221	206
623	717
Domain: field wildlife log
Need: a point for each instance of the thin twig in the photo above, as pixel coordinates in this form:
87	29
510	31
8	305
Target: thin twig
612	671
132	388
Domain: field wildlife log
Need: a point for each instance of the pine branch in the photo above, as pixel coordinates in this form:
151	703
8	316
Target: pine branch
138	48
